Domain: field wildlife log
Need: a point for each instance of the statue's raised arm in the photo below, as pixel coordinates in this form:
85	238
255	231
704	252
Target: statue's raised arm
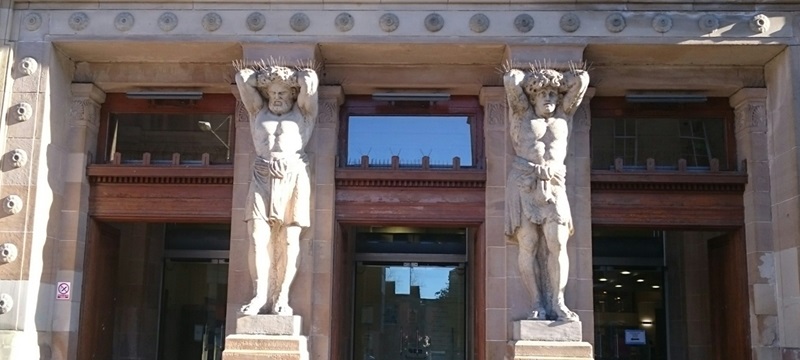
517	99
246	82
576	82
307	99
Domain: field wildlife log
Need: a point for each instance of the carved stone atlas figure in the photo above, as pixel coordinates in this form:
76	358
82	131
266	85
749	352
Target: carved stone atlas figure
282	104
541	105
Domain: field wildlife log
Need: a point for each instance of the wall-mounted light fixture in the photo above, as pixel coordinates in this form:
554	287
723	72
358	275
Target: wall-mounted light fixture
410	96
165	95
665	97
205	126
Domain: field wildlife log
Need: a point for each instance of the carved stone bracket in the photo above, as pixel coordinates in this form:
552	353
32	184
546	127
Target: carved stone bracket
330	98
493	100
582	120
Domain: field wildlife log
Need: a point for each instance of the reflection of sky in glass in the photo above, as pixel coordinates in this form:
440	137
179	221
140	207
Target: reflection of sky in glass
410	137
429	279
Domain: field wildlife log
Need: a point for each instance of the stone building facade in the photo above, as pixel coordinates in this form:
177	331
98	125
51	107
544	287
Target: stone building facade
98	247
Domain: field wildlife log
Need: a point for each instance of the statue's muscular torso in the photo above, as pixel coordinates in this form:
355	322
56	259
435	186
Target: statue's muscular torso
543	141
279	135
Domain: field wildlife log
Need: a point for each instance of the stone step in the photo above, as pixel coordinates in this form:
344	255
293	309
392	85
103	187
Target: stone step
271	342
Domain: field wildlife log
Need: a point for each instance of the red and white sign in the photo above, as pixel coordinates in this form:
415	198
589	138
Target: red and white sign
63	290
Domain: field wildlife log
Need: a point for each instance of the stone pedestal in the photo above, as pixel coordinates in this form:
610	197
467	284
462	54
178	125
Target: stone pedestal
540	339
266	337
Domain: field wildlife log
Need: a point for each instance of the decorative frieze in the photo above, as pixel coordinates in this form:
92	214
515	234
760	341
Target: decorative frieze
569	22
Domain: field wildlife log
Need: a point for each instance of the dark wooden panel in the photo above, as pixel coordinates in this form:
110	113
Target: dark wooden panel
667	209
456	206
99	292
727	269
161	202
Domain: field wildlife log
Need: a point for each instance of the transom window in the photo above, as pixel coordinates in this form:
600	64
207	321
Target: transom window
698	134
442	134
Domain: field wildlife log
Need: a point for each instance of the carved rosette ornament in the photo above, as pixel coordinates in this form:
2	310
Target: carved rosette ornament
344	22
299	22
662	23
615	23
8	253
523	23
751	116
570	22
760	23
389	22
78	21
84	112
124	21
28	66
256	21
23	111
32	21
18	158
434	22
708	23
479	23
6	303
167	21
12	204
212	22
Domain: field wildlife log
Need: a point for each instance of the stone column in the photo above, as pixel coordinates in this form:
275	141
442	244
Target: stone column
503	288
539	338
752	151
83	122
323	149
267	336
26	198
579	293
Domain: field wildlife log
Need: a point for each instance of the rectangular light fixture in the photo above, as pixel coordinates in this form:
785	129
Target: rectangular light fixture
165	95
410	96
665	97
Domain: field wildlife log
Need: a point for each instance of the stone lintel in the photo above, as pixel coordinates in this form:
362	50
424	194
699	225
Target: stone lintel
524	349
269	325
289	54
545	330
554	56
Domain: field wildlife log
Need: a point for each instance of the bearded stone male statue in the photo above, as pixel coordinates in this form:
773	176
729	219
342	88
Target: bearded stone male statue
282	104
541	105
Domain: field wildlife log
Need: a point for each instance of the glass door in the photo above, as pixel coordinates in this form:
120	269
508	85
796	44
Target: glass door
410	311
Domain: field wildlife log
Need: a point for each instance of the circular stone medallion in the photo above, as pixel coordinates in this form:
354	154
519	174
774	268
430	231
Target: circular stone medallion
212	22
167	21
523	23
708	23
124	21
434	22
344	22
256	21
479	23
299	22
570	22
78	21
662	23
389	22
32	21
760	23
615	22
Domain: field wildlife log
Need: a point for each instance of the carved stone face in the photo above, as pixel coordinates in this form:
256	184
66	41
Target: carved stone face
545	102
281	98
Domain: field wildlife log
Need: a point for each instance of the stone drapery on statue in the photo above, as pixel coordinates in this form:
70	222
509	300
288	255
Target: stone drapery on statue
541	104
282	103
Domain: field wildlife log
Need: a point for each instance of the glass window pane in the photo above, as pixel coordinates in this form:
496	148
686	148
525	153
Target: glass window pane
410	138
161	135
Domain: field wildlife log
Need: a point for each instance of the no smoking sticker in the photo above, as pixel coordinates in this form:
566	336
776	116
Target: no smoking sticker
63	290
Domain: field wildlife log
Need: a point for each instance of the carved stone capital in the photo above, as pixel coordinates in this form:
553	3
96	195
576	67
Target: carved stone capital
85	107
330	98
494	104
750	109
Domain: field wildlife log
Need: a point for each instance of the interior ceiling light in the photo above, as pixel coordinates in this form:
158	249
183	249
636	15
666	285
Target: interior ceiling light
639	280
625	272
602	279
